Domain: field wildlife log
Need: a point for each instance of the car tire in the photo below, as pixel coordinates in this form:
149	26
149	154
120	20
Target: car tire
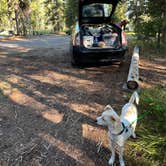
75	62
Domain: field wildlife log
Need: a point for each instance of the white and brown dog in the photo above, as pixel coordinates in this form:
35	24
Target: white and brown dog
120	128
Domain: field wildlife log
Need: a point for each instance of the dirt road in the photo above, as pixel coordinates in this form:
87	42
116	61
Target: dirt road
48	108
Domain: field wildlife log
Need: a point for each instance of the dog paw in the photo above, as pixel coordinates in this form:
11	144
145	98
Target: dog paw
122	163
133	135
111	161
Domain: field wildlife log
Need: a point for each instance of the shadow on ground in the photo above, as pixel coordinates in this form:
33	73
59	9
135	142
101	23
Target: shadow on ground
48	108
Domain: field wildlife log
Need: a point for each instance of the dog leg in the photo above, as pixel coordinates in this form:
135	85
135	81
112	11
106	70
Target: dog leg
112	159
121	156
133	134
133	130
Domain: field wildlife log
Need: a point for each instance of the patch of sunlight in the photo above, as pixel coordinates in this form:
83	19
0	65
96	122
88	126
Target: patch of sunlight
153	65
68	149
60	97
55	97
23	49
43	79
14	79
160	60
95	134
19	97
3	56
146	18
145	85
22	83
156	68
164	82
9	45
21	39
58	78
53	116
15	46
4	53
86	109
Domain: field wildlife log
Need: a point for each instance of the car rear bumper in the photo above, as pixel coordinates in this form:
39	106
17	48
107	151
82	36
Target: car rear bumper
98	55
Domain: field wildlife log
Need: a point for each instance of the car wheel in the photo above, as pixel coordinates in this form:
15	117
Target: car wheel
122	62
74	62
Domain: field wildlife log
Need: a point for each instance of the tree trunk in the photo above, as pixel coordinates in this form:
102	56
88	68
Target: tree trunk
159	37
17	22
9	5
164	27
24	28
133	76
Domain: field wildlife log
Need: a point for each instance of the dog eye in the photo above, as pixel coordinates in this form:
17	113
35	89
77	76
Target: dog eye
103	119
112	119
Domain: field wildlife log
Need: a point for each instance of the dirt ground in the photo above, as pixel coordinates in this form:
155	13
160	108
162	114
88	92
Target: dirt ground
48	108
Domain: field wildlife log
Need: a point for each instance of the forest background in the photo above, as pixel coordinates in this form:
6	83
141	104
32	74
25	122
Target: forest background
147	18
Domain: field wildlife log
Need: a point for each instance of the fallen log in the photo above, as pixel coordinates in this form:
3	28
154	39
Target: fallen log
133	76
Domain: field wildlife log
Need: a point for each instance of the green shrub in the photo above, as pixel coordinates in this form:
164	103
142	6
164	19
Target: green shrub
150	146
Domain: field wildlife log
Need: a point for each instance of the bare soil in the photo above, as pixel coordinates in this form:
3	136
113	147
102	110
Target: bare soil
48	108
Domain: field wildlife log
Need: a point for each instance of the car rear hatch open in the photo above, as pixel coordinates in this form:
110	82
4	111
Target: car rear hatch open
96	29
96	11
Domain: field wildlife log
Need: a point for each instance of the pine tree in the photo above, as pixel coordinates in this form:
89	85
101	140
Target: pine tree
55	14
71	13
3	15
149	18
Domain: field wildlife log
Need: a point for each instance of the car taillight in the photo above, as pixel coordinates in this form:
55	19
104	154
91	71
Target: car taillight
124	39
77	40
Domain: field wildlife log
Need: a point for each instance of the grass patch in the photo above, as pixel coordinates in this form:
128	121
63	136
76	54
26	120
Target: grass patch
130	33
149	48
149	148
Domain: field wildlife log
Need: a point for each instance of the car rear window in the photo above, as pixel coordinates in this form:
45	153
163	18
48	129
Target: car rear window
97	10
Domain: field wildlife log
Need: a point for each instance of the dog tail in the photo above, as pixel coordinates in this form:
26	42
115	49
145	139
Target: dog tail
134	98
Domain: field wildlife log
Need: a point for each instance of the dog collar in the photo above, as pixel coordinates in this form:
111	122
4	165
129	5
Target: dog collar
124	129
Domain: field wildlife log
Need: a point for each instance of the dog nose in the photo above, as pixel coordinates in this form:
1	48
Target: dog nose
95	120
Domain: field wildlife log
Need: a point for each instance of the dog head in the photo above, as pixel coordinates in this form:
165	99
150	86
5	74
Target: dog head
109	117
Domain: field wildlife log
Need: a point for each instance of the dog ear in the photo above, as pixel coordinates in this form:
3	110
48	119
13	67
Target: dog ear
108	107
